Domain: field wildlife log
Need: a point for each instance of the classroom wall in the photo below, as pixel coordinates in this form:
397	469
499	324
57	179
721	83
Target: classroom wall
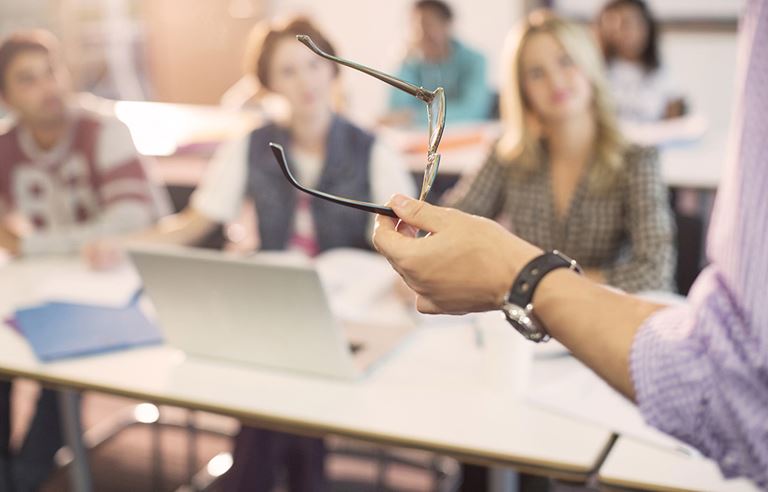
704	64
194	48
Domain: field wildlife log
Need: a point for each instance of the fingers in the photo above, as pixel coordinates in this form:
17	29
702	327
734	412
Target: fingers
387	240
102	256
419	214
406	229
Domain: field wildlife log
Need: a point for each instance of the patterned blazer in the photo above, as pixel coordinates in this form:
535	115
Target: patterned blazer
626	231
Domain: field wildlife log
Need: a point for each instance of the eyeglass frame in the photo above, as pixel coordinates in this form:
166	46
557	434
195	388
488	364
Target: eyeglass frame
435	134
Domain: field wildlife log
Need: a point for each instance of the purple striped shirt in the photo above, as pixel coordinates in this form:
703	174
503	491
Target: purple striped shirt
701	370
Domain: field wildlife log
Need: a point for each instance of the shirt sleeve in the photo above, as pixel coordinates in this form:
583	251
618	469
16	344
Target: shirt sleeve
220	194
481	193
130	199
700	371
650	260
668	86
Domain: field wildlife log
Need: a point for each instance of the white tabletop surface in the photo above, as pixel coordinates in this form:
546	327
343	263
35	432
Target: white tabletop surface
690	157
692	163
636	464
439	392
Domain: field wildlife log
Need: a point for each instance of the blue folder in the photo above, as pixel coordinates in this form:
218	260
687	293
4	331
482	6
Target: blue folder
58	330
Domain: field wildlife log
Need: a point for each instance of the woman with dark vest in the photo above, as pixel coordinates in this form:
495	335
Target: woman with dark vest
329	153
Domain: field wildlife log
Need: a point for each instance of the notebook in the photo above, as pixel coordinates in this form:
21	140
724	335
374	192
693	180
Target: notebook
58	330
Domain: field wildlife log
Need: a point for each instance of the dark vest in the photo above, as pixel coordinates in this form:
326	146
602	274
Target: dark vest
345	173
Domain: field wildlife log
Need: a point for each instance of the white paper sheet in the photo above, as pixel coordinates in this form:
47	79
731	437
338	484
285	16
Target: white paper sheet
568	387
68	279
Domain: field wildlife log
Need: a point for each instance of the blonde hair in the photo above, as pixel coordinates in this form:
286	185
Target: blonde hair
520	142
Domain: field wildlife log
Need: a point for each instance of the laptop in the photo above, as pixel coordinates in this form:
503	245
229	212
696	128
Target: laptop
259	312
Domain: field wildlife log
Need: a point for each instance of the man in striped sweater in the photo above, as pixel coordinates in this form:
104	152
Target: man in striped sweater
68	176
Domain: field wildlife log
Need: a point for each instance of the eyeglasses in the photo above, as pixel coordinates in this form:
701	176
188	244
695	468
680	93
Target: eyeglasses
435	102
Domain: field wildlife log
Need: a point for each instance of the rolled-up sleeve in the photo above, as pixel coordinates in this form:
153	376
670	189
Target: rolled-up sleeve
700	371
700	374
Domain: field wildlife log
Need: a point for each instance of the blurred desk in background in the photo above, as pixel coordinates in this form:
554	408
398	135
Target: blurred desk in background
185	136
690	157
164	129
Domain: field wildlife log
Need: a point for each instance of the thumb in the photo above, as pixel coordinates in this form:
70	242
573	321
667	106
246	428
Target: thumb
419	214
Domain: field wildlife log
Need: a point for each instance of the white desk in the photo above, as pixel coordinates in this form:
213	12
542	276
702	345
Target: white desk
633	464
688	164
696	165
439	393
162	129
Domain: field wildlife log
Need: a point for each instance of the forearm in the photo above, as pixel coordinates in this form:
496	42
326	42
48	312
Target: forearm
595	275
119	219
596	323
186	228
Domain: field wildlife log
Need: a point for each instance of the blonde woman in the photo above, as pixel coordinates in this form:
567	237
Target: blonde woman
561	175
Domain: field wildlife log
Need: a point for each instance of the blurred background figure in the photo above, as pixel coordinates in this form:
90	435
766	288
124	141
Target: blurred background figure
329	153
561	175
641	86
435	58
68	175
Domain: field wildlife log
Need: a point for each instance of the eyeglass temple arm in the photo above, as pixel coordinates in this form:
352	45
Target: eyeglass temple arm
420	92
279	153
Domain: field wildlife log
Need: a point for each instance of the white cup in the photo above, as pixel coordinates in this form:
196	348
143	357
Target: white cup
508	356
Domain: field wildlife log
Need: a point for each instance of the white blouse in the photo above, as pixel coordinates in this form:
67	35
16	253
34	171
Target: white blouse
640	96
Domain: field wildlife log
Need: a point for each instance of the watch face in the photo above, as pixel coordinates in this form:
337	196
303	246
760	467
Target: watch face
514	312
524	322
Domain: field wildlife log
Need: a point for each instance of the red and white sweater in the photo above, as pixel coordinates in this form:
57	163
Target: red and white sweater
90	185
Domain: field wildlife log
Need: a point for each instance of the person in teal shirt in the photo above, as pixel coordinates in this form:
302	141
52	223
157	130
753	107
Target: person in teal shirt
434	59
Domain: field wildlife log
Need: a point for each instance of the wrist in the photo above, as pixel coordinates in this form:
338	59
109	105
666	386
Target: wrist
519	305
555	291
520	253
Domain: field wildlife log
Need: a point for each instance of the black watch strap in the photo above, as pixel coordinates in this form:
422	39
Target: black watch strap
521	293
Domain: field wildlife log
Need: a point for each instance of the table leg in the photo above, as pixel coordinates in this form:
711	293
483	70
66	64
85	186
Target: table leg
79	471
502	480
191	446
157	456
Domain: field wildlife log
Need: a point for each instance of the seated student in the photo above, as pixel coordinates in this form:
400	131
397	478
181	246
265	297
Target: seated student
67	176
329	153
641	86
561	175
436	58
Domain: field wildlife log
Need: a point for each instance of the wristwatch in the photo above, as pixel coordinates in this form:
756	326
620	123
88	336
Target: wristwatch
518	305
